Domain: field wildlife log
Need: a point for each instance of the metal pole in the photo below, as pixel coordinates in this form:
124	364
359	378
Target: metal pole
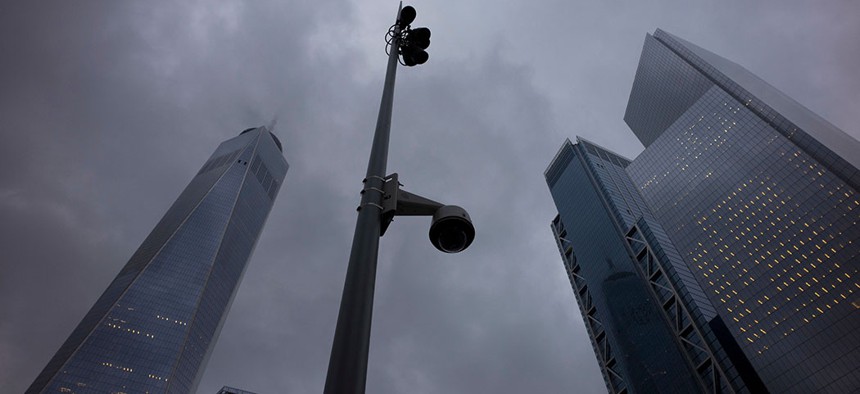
347	366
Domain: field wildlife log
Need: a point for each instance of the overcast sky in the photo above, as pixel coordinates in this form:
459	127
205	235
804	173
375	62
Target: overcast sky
108	109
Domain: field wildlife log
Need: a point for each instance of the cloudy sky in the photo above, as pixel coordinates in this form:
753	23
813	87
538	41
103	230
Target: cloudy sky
108	109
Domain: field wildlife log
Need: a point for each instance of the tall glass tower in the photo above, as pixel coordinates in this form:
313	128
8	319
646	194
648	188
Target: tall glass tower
634	339
154	327
753	201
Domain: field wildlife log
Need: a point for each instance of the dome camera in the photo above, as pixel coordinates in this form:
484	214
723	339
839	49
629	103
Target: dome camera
451	230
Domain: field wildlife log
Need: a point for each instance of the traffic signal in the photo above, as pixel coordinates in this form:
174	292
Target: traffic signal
413	42
407	15
413	56
419	37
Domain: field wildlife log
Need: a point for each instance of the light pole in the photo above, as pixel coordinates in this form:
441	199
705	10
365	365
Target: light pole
451	229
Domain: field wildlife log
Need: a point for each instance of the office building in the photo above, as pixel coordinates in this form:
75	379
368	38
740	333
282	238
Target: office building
650	323
752	200
232	390
154	327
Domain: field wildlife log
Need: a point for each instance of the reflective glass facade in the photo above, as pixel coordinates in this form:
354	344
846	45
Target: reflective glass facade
740	217
232	390
760	197
634	329
154	327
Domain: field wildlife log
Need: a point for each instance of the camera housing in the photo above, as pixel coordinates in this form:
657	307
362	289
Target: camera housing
451	230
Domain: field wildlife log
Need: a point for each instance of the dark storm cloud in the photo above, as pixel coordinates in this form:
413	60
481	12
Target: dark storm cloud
109	109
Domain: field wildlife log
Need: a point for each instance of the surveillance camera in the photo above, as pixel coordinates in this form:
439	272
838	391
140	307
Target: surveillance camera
451	230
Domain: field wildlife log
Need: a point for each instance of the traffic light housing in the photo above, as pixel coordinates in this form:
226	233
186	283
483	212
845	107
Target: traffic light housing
413	42
407	15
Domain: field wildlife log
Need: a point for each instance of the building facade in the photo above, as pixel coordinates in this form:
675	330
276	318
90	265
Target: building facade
233	390
753	200
154	327
651	326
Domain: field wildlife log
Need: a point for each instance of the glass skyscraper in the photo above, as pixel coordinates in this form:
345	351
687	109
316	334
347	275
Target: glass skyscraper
745	211
154	327
233	390
597	204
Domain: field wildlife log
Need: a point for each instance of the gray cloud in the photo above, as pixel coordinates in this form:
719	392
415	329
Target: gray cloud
109	109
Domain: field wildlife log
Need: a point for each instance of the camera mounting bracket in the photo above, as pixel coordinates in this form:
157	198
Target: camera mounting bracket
399	202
